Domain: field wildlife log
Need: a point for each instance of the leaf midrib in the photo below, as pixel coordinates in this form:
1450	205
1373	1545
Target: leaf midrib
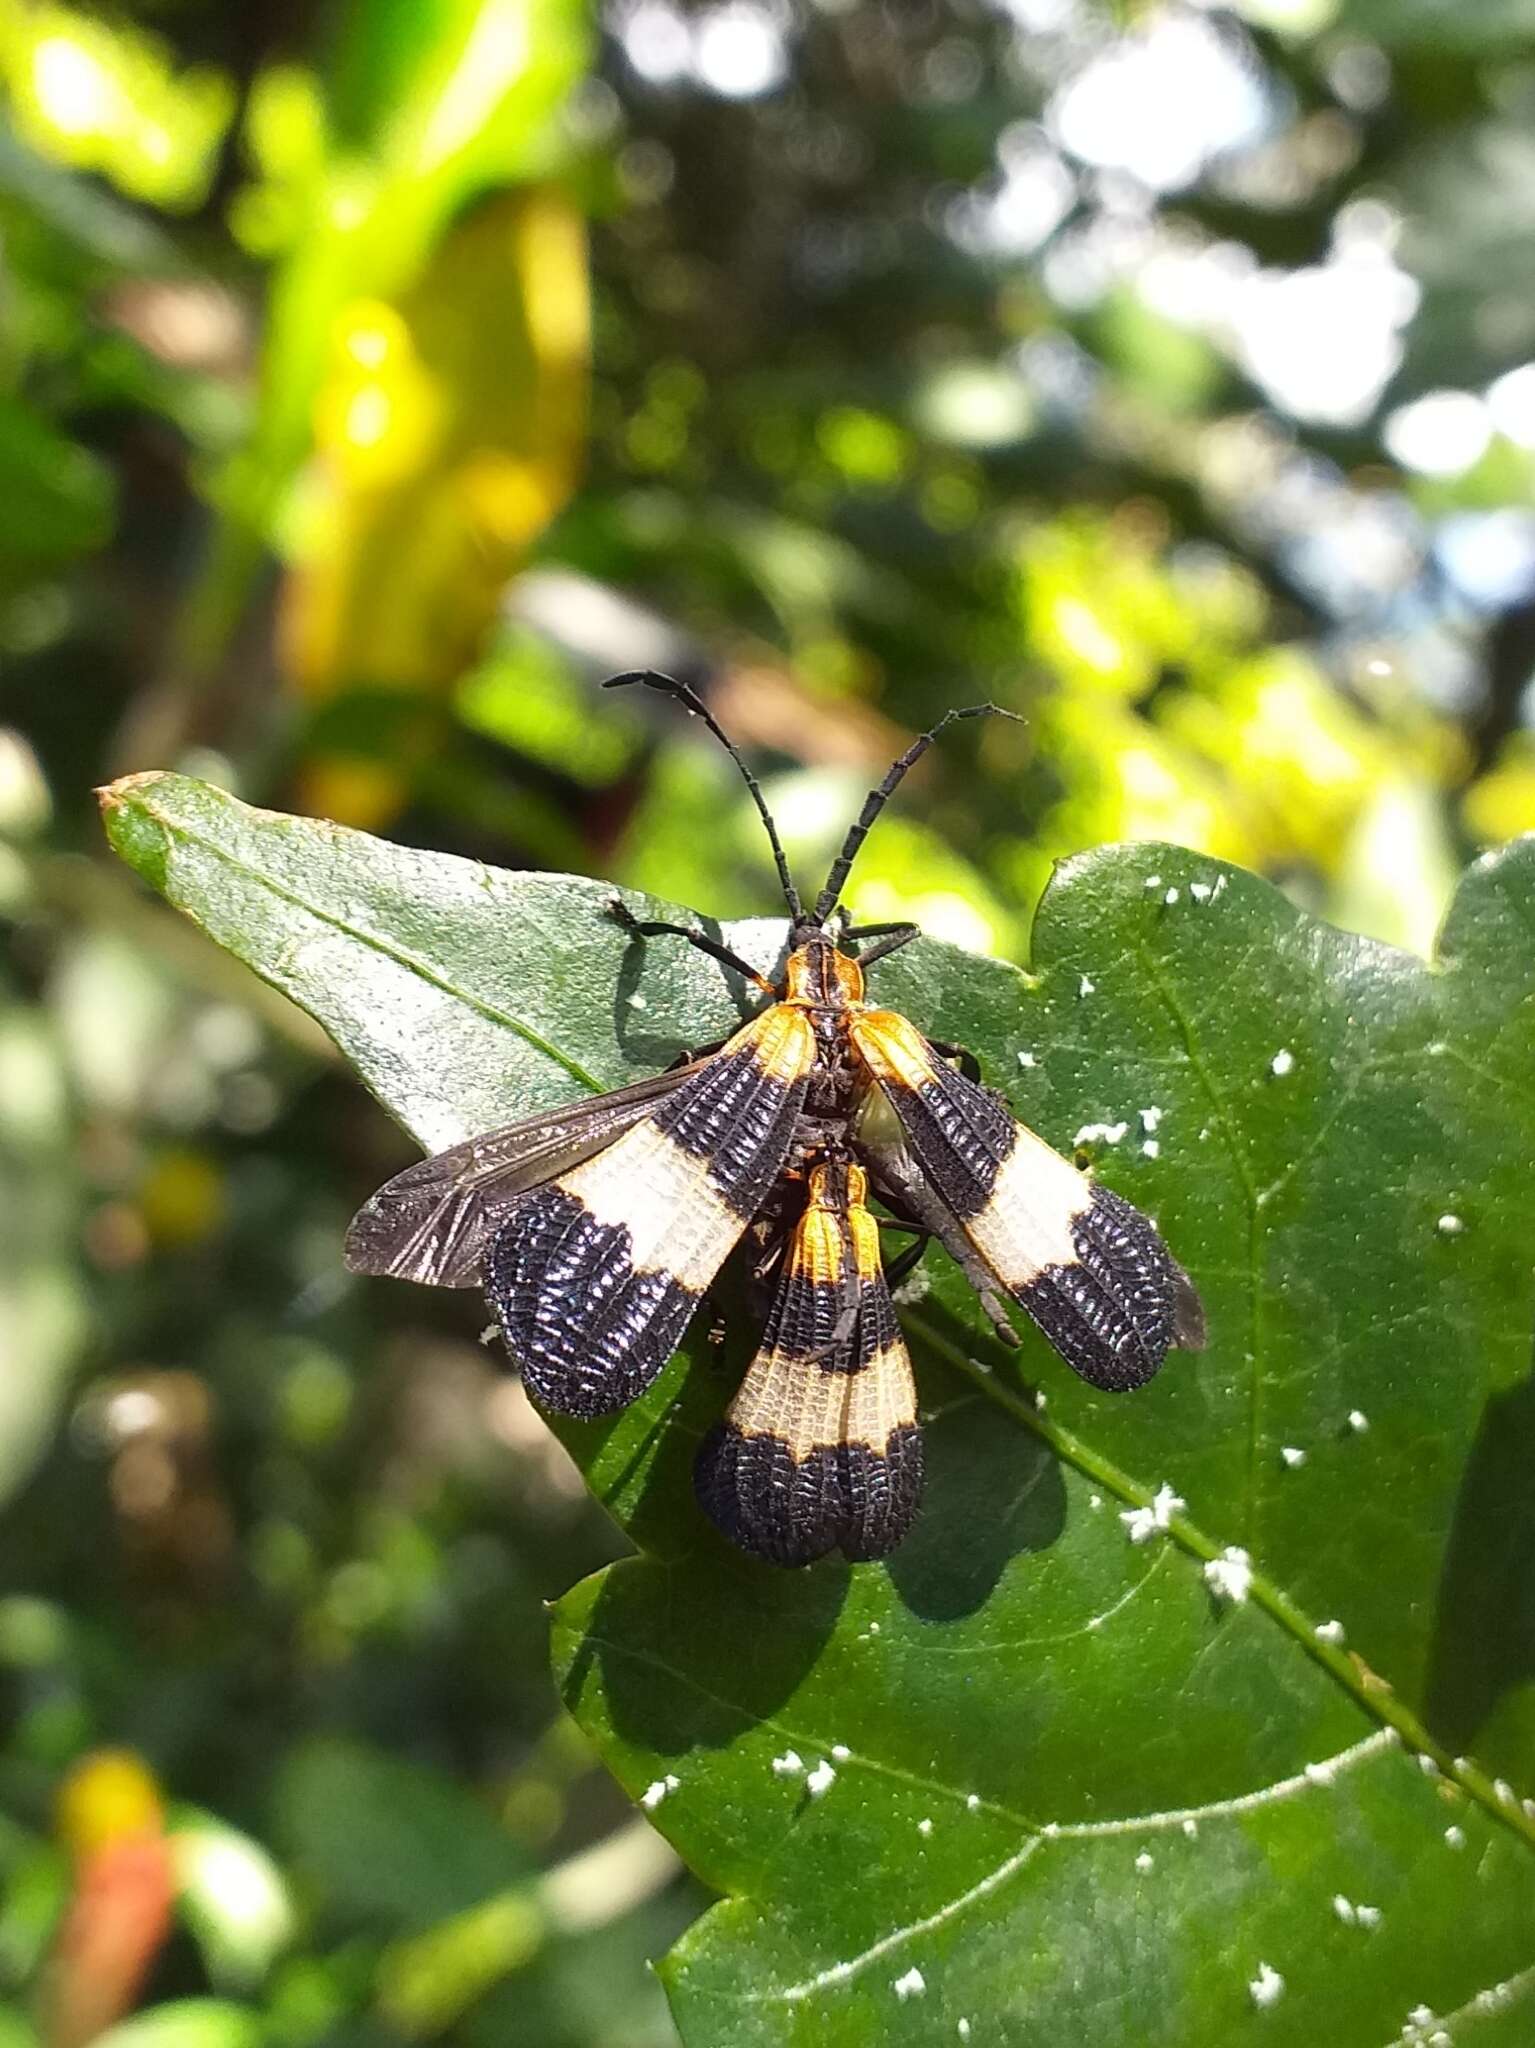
177	828
1376	1700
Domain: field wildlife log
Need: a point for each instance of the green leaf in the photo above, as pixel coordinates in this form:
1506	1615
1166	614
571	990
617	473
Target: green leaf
1064	1785
1492	28
387	1843
233	1897
186	2023
55	496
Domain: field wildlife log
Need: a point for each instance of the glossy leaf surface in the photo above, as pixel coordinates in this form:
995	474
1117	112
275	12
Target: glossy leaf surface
1036	1777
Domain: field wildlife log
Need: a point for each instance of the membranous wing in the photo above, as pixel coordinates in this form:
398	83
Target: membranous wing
1086	1265
595	1275
432	1222
820	1450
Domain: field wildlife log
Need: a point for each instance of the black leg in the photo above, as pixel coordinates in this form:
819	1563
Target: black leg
907	1200
654	928
698	1052
899	935
877	931
904	1262
969	1065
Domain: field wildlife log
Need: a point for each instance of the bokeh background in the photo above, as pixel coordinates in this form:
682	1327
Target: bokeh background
376	377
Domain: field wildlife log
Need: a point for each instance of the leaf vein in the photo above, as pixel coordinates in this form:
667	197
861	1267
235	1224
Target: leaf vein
401	957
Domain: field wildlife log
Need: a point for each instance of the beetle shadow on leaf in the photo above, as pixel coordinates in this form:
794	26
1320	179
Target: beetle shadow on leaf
1483	1644
993	1492
689	1658
659	1049
693	1660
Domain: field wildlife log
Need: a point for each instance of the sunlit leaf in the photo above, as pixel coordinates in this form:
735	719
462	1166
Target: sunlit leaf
1035	1776
449	433
102	96
234	1898
187	2023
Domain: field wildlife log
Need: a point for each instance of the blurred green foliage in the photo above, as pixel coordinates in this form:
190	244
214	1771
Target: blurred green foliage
373	379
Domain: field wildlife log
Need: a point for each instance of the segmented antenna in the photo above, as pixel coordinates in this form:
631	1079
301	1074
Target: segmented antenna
691	701
876	800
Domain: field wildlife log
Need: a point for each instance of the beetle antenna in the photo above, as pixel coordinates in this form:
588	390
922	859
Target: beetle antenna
690	700
876	800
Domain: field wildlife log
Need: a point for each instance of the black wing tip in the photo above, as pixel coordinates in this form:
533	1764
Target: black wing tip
588	1330
1116	1311
359	1251
387	1241
850	1497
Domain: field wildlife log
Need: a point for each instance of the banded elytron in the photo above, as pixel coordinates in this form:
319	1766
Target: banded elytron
595	1230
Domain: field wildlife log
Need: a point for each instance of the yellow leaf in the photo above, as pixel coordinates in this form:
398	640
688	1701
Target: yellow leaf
448	432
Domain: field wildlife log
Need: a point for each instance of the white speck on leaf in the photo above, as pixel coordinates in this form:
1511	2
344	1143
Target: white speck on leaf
1144	1862
1141	1524
1171	897
1358	1421
1100	1134
1449	1224
1085	987
638	1002
1428	1767
1456	1837
1027	1059
1293	1455
924	1826
973	1801
1200	891
841	1752
1152	882
912	1985
963	2030
789	1765
1151	1117
1230	1575
1191	1828
1367	1916
1282	1063
1151	1148
821	1779
1267	1988
1095	1500
1344	1908
653	1794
